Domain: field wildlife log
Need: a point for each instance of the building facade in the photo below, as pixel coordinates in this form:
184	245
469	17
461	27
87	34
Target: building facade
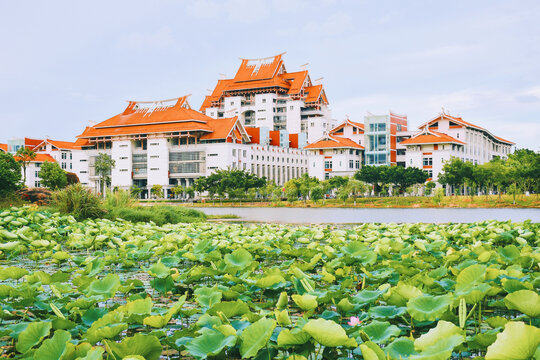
447	136
381	138
263	94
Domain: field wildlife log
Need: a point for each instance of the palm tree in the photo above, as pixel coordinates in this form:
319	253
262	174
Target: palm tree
103	165
24	156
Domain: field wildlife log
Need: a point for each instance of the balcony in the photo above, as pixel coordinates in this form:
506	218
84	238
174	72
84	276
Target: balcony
311	112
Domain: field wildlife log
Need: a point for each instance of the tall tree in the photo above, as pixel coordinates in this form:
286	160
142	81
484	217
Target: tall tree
103	166
372	175
455	171
53	176
24	156
10	174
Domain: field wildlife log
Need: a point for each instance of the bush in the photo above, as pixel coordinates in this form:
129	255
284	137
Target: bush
119	199
158	214
78	201
39	196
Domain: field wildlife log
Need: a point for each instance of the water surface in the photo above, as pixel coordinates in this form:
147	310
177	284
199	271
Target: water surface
355	215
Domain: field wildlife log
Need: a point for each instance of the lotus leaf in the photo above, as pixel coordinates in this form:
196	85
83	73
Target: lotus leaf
106	327
525	301
104	288
12	272
159	270
229	308
439	341
428	307
366	296
305	302
386	312
210	343
239	259
32	335
328	333
400	294
256	336
147	346
509	254
400	348
206	296
381	332
282	317
287	338
516	342
371	351
53	348
282	301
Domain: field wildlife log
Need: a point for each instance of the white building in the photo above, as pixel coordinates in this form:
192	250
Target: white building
447	136
263	94
339	153
168	143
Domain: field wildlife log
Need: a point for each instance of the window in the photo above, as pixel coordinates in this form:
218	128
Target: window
37	183
212	155
123	158
428	161
154	169
233	152
398	127
326	176
123	170
123	145
36	173
70	156
154	156
291	107
430	173
70	166
84	171
64	166
244	153
232	102
64	156
154	144
83	160
264	101
328	164
357	164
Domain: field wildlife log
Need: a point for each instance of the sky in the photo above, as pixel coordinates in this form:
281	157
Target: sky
65	64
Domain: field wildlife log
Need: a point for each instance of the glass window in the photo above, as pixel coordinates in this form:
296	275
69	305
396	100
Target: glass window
428	161
328	164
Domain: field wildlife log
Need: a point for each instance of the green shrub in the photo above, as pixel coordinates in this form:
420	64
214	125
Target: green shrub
78	201
158	214
119	199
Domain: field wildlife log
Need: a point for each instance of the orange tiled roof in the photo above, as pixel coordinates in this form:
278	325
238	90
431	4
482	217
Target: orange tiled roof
32	143
40	157
431	137
347	122
61	144
4	147
330	142
265	73
463	122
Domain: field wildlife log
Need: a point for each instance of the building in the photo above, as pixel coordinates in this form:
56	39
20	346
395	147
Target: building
339	153
61	151
381	134
263	94
447	136
168	143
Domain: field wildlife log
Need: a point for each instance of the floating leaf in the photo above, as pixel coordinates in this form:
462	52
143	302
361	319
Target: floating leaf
526	301
518	341
256	336
328	333
32	335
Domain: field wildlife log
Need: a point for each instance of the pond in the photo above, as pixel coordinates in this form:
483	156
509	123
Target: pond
355	215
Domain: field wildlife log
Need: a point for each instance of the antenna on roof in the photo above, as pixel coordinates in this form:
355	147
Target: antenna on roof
318	80
443	110
303	67
222	76
92	123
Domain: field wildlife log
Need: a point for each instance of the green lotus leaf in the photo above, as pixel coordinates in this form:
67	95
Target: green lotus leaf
12	272
386	312
147	346
381	332
305	302
509	254
269	281
107	327
32	335
239	259
297	357
399	295
210	343
483	340
328	333
496	321
207	297
229	308
358	251
366	296
61	256
439	342
94	267
53	348
471	275
137	307
345	306
9	246
400	348
428	307
93	354
371	351
288	338
473	293
159	321
104	288
525	301
40	243
516	342
256	336
159	270
283	300
208	321
227	330
513	285
282	317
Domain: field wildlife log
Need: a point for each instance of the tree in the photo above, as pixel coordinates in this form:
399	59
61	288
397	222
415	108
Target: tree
135	191
190	191
233	182
103	165
157	191
430	185
455	172
53	176
353	188
403	178
252	194
24	156
316	193
10	174
177	190
72	178
524	169
374	175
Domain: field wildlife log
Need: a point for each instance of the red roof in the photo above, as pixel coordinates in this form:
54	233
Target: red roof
161	119
62	145
4	147
431	137
40	158
347	122
32	143
266	73
330	142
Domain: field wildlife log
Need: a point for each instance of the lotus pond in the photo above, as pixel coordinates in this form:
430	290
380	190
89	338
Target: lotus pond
99	289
